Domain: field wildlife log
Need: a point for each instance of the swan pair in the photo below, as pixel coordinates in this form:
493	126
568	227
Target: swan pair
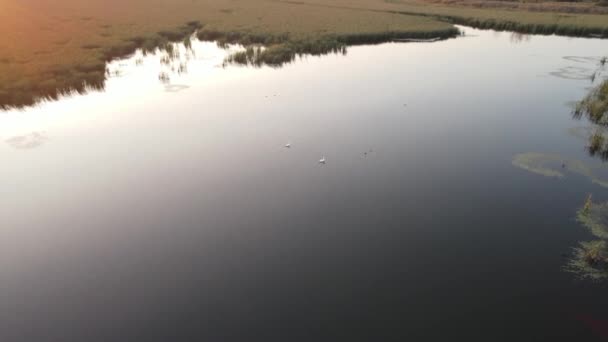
321	161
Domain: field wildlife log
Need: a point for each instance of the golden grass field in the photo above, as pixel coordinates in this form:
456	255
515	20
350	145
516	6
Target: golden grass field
45	40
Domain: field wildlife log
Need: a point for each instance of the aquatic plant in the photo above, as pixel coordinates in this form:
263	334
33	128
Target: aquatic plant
187	42
554	165
587	207
594	108
538	163
590	260
276	50
594	216
596	142
164	77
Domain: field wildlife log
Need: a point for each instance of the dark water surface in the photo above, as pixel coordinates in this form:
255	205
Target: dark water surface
175	213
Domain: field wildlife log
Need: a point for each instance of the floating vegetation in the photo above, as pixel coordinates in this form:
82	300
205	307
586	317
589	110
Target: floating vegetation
554	165
582	132
582	59
590	259
188	42
28	141
573	73
578	72
539	163
164	77
518	37
165	60
596	143
595	217
174	88
594	108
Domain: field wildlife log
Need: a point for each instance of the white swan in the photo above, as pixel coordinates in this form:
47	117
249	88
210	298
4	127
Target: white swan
287	145
322	160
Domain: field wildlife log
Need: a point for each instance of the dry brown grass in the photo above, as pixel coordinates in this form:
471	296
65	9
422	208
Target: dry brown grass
533	6
519	16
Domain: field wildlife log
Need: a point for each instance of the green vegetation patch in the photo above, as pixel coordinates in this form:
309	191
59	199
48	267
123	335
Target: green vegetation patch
594	216
278	49
555	165
590	259
595	105
594	108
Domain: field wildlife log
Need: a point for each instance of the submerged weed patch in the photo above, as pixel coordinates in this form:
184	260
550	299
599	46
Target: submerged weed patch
555	165
590	259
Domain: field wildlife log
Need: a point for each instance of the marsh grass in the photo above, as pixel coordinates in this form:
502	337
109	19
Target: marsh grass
594	108
594	216
590	259
276	50
530	21
587	206
273	49
283	29
64	80
91	46
530	28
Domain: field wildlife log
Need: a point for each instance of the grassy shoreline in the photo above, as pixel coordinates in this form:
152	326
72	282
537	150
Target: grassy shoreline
527	28
500	19
276	50
81	78
279	49
70	52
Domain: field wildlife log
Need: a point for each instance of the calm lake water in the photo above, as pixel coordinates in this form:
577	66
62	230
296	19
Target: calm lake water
173	212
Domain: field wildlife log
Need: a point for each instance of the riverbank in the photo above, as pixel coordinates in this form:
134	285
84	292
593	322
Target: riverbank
559	19
59	47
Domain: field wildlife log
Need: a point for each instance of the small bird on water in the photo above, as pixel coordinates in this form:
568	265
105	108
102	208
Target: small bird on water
322	160
288	145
